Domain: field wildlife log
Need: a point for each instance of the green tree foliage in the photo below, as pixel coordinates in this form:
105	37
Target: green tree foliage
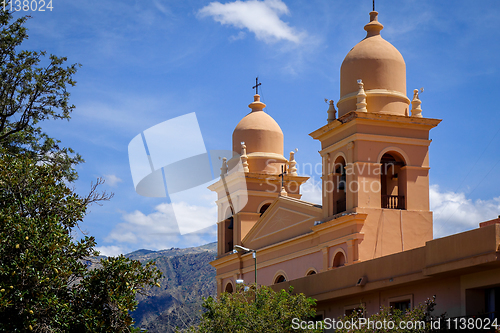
33	88
267	311
45	283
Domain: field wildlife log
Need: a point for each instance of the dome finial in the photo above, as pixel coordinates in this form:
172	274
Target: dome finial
257	105
373	28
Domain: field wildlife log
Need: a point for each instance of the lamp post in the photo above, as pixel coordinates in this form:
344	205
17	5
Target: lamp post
241	249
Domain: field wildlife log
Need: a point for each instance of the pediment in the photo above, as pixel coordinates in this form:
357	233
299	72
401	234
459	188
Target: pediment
286	218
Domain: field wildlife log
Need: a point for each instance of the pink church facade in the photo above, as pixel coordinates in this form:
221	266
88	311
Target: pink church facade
371	241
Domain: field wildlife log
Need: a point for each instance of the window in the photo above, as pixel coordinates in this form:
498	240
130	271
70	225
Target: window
229	288
339	260
483	302
392	181
403	306
279	279
311	272
402	303
264	208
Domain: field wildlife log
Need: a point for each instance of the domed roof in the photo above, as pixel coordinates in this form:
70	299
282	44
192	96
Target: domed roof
260	132
381	68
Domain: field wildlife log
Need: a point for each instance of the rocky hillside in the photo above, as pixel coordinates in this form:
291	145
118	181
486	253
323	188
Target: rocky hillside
188	277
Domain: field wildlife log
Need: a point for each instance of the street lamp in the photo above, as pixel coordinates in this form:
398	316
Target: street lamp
241	249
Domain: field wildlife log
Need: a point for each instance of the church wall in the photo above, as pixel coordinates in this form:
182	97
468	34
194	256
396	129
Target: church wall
297	249
447	291
369	151
229	269
417	189
341	281
382	231
247	221
268	269
393	131
292	269
338	233
463	245
348	130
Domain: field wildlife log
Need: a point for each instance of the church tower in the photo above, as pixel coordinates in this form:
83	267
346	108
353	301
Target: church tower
267	174
375	155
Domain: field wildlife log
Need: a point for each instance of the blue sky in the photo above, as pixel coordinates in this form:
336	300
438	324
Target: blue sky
144	62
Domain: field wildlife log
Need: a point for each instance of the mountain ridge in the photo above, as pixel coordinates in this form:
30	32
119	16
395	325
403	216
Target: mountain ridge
188	278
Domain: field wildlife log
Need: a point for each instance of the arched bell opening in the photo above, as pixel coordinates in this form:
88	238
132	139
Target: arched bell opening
339	185
393	181
228	224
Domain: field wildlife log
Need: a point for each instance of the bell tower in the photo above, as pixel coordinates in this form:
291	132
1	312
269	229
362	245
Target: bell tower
265	174
375	155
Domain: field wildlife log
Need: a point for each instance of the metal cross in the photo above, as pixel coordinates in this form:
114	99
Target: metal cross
257	84
373	5
282	174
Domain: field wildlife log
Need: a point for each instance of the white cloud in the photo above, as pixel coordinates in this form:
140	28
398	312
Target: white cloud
111	251
194	217
141	228
112	180
311	191
259	17
158	230
453	212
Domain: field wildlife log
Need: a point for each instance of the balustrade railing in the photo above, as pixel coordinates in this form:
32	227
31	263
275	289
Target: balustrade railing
393	201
